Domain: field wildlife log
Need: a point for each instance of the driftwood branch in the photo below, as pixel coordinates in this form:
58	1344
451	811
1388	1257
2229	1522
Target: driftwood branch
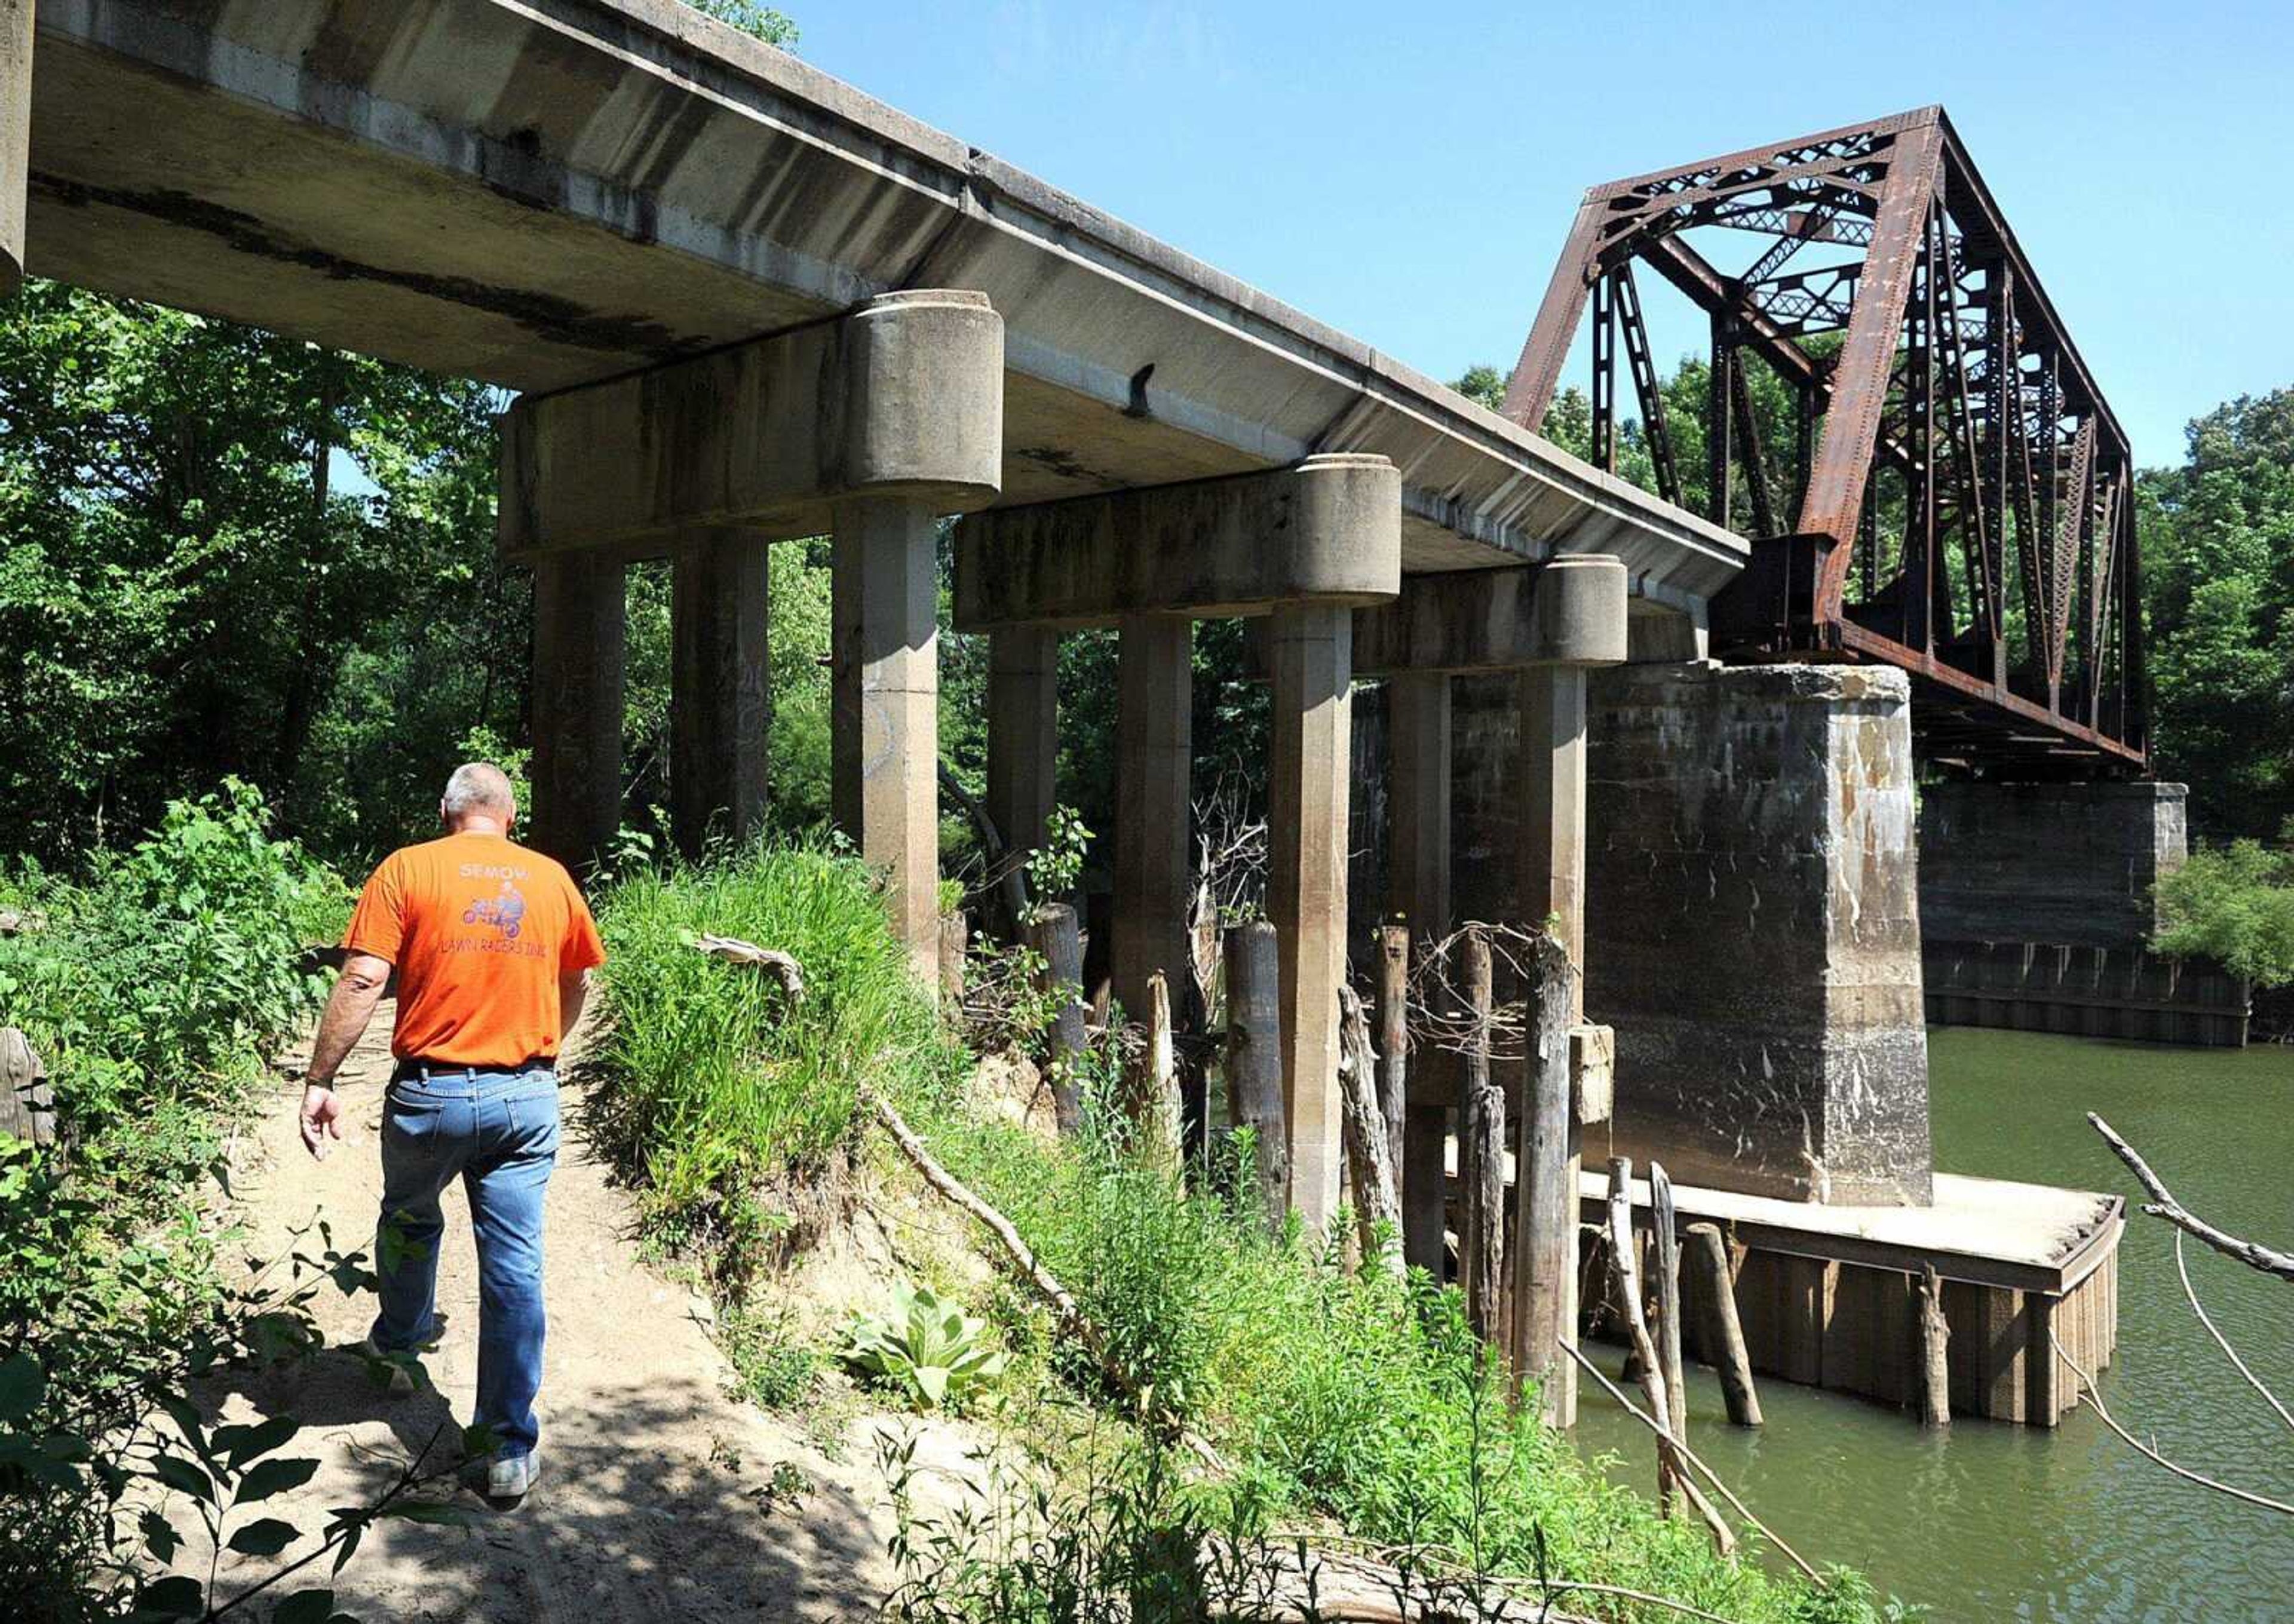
2163	1205
772	959
2095	1398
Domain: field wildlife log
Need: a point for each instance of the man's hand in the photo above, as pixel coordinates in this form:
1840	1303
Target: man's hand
322	1120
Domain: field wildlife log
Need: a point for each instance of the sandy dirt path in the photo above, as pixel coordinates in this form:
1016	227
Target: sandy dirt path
648	1507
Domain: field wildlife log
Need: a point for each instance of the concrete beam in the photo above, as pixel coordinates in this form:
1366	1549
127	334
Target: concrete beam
15	137
1571	611
1023	744
1154	748
1327	531
720	697
884	707
580	615
1310	649
903	398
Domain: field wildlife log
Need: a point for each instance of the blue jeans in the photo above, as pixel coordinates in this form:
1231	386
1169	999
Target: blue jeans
497	1132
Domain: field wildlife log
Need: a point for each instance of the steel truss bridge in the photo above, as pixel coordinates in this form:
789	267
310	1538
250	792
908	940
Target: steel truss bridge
1955	498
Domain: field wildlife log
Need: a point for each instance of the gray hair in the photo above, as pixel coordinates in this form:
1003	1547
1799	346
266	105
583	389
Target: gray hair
478	786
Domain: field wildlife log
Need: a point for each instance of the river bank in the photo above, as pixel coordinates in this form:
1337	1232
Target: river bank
1998	1521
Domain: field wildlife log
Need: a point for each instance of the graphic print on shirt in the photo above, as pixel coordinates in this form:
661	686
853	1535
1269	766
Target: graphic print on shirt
505	911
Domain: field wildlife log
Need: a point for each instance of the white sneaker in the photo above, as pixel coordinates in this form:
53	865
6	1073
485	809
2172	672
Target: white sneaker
511	1477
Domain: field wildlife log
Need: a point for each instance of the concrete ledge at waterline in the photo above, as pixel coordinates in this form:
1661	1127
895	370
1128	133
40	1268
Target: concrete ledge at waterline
1324	531
1571	611
901	397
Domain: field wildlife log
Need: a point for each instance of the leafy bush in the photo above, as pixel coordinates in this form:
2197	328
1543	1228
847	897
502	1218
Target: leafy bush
711	1081
931	1350
2234	904
166	976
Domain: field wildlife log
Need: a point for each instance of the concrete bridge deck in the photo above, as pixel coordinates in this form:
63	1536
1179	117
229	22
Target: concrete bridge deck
547	194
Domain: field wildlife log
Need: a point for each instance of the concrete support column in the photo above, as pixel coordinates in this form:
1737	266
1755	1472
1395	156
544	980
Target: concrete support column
884	705
15	137
580	615
1418	880
1153	745
1023	743
721	700
1551	791
1310	651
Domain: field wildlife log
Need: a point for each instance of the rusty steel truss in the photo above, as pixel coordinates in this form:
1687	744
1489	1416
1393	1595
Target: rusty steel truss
1955	498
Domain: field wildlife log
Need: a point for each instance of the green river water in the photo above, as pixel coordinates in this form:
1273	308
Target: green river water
1994	1522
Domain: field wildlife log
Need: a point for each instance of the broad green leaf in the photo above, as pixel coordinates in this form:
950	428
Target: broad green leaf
266	1478
22	1384
265	1537
305	1607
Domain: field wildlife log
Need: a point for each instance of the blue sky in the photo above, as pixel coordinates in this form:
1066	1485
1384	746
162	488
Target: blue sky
1407	173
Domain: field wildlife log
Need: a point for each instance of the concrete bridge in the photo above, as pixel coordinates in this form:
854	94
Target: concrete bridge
743	302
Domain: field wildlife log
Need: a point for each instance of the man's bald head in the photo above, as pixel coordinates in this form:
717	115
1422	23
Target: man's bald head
478	791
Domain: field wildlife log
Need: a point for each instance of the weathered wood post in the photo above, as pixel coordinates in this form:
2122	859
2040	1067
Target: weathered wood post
1254	1057
1724	1333
28	1106
1378	1214
1161	1114
1935	1343
1057	939
1394	1044
1666	1246
954	937
1481	1154
1545	1193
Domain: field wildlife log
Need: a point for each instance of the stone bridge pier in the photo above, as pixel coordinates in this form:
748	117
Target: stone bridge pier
867	427
1754	931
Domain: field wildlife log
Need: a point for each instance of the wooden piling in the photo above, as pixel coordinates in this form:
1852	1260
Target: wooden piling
28	1105
1378	1207
1723	1333
1666	1245
1545	1190
1394	1044
1935	1342
1482	1154
1161	1118
1253	1058
1057	938
954	937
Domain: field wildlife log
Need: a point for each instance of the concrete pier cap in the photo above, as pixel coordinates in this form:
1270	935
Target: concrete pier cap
1327	529
1568	610
902	397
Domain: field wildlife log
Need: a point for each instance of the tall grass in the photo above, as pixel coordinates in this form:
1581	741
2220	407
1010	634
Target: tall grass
711	1080
1351	1397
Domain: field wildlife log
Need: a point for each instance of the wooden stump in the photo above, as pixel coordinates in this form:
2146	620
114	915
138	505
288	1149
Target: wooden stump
1161	1119
28	1106
1935	1342
1253	1058
1394	1045
1054	933
1377	1207
1665	1244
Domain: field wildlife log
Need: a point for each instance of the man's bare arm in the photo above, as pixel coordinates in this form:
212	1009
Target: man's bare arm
572	992
349	1008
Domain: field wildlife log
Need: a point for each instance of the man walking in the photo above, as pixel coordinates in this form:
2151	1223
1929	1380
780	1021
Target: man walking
493	945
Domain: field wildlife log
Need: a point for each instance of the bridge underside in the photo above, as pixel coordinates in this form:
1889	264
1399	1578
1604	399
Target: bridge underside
1894	415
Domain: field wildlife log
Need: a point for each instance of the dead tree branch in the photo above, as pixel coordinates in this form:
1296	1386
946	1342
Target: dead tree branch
2222	1342
2163	1205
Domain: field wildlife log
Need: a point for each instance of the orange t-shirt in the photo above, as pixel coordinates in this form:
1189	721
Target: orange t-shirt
479	930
